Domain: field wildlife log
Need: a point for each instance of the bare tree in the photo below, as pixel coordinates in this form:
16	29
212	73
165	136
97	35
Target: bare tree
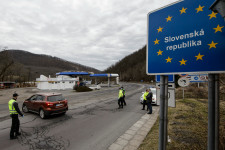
5	63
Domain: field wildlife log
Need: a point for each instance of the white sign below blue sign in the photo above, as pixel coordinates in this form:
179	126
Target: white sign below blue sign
198	78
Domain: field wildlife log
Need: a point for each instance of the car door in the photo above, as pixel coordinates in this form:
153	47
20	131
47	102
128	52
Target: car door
38	102
30	102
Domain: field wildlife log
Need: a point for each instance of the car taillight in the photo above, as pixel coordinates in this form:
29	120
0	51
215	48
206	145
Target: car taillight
49	104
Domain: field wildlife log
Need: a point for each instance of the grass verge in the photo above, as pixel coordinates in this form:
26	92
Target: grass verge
187	127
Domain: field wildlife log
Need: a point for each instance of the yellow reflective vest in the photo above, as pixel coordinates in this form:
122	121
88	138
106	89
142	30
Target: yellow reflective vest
12	109
145	94
120	93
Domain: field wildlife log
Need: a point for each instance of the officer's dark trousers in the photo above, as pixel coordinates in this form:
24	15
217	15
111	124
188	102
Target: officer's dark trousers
120	102
124	103
15	125
144	103
149	107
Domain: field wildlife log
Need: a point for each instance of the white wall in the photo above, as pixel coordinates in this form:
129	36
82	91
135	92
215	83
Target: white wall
61	82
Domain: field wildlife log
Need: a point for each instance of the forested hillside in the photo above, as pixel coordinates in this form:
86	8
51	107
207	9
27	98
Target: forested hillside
132	67
26	66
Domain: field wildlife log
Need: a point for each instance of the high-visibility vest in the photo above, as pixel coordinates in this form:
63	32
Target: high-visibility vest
120	93
145	94
123	92
12	109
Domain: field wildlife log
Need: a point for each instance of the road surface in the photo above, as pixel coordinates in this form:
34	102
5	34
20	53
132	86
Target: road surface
93	122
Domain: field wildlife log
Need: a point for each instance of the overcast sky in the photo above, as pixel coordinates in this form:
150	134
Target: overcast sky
96	33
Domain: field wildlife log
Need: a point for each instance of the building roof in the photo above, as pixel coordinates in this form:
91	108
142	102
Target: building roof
7	82
72	73
99	75
104	75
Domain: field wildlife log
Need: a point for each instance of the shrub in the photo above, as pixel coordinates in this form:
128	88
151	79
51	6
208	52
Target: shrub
192	92
82	89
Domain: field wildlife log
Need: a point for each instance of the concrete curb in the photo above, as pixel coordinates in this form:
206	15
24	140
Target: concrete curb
135	135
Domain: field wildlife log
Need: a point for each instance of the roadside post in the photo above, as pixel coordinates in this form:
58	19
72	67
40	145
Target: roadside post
186	37
108	79
163	111
183	82
171	90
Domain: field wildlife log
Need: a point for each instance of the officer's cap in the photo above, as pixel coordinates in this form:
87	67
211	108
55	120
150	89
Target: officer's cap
15	95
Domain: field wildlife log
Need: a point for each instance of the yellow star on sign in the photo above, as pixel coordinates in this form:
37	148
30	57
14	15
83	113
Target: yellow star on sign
200	8
199	56
212	45
156	41
182	62
169	18
218	28
159	29
168	59
159	52
212	15
183	10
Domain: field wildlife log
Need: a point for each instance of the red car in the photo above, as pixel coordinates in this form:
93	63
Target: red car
46	104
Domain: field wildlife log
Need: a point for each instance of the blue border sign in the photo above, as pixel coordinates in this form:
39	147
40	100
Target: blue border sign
185	37
170	78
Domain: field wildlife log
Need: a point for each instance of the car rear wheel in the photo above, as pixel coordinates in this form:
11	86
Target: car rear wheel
25	109
42	114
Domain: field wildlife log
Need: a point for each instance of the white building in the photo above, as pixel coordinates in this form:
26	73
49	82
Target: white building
61	82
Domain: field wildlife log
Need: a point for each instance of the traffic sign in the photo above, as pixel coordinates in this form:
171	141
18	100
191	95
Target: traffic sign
198	78
183	82
185	37
170	78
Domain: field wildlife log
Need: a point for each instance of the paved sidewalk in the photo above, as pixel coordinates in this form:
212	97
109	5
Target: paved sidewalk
134	136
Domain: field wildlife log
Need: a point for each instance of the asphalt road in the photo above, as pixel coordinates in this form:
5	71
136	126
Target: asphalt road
93	122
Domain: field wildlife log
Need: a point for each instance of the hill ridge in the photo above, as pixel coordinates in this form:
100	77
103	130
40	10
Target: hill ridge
33	65
132	67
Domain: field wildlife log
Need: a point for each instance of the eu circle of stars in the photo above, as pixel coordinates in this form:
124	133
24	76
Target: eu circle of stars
198	56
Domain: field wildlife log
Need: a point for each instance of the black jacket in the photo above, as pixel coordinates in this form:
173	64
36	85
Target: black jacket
15	104
149	97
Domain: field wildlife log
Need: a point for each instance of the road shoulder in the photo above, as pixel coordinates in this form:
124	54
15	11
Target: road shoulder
135	135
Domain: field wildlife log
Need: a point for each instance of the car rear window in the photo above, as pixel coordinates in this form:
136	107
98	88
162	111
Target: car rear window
55	98
153	91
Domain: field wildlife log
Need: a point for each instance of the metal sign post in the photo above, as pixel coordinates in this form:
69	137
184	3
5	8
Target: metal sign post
163	112
217	110
213	109
183	93
166	111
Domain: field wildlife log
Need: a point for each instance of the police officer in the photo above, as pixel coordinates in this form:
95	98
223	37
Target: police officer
120	98
14	111
124	102
149	101
145	99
